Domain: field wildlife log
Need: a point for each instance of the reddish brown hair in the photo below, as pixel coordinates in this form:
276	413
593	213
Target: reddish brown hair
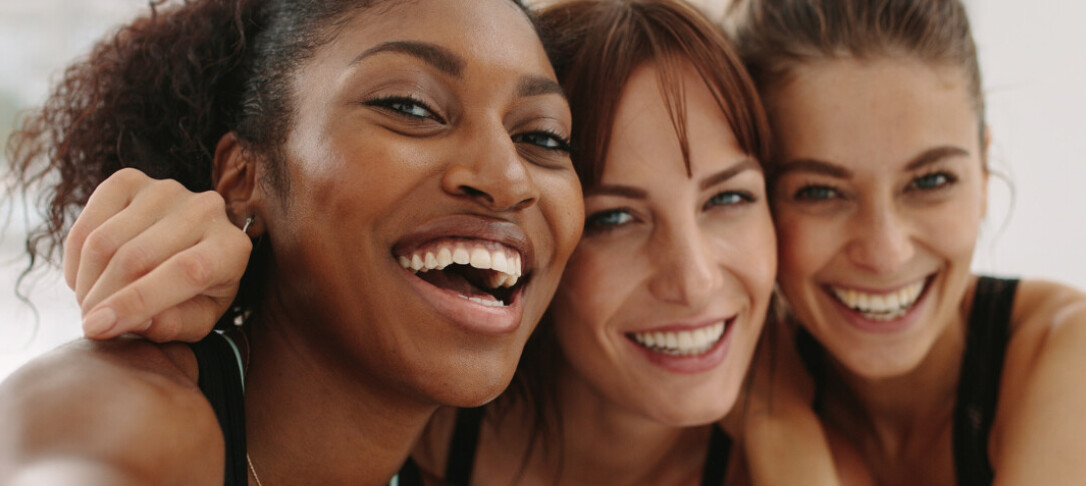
596	45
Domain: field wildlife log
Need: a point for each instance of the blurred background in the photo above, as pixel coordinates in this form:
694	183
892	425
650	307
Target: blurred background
1035	78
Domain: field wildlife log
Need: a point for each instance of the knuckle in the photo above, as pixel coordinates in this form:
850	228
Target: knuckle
164	328
126	177
196	269
99	245
134	259
210	202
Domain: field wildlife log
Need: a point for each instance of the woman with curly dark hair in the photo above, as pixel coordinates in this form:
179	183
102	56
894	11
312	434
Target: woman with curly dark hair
345	137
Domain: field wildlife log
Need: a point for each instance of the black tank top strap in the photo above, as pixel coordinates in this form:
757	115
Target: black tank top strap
716	462
222	383
981	374
465	441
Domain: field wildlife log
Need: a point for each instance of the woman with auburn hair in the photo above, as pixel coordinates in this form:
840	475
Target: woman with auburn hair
665	295
344	136
924	372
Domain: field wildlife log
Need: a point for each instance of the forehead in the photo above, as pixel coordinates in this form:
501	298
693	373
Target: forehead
495	33
644	143
850	111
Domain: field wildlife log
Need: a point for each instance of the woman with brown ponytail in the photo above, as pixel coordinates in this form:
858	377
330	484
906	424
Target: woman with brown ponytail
924	372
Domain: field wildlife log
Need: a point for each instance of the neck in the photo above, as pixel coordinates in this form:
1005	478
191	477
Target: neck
915	406
311	419
602	442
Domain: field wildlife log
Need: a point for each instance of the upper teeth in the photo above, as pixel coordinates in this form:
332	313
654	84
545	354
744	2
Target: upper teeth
682	343
505	263
881	306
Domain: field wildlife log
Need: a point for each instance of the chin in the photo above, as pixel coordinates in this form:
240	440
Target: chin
699	411
471	386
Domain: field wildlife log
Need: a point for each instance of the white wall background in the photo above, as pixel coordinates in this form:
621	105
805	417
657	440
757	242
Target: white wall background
1035	76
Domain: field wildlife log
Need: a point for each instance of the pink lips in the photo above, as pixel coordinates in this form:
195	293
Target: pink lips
466	314
693	363
857	319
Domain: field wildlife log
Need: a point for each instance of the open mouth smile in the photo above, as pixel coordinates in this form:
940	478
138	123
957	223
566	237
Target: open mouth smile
881	307
483	272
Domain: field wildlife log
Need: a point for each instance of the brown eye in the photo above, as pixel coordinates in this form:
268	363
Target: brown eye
406	107
544	139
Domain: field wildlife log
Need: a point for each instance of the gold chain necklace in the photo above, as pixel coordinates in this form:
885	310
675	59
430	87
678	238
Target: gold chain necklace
253	469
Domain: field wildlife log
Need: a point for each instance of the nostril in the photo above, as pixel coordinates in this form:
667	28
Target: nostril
473	192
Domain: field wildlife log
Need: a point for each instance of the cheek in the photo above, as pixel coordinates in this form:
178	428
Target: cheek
563	208
804	245
594	290
755	254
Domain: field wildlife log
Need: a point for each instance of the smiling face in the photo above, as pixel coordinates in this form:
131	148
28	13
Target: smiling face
431	204
662	303
878	204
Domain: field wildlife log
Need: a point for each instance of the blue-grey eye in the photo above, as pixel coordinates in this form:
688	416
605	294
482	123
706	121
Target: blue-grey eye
935	180
729	198
608	219
816	193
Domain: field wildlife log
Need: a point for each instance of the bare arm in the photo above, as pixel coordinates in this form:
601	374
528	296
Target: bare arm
1040	430
122	412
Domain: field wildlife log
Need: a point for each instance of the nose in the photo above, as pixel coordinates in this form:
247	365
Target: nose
687	271
489	171
882	240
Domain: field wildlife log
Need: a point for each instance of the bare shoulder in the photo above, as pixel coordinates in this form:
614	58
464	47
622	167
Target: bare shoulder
118	409
1041	397
1046	306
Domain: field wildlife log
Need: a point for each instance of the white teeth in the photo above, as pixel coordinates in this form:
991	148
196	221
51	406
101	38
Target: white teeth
881	307
681	343
486	302
444	258
505	264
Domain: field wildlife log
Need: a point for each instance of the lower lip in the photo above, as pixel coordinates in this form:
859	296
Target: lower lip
857	319
468	315
698	363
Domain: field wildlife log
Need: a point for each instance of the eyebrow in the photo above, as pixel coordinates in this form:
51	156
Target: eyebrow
436	56
537	86
745	164
709	181
816	166
934	155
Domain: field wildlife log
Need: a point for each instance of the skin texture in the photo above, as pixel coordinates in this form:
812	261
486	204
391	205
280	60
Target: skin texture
660	248
347	358
852	213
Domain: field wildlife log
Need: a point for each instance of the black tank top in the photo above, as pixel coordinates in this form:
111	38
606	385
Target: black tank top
979	378
222	380
465	442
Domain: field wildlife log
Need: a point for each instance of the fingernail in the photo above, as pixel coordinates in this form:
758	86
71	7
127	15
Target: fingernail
99	322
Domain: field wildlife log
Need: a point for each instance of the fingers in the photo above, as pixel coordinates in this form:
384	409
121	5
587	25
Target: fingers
127	247
180	299
112	196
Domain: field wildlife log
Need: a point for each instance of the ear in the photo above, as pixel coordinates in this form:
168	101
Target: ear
234	177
